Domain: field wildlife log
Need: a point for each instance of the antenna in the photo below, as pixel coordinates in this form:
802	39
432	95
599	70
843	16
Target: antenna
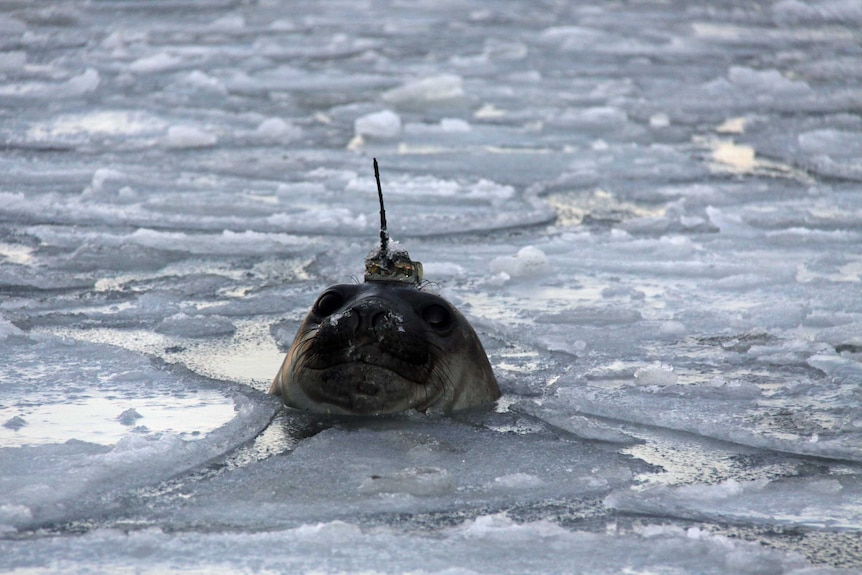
385	264
384	235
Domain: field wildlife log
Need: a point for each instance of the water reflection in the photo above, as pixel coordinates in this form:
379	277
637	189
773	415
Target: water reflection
105	418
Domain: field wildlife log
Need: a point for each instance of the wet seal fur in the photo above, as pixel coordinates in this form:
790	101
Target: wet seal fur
385	346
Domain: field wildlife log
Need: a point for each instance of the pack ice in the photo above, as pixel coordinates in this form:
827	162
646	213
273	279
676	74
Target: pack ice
651	212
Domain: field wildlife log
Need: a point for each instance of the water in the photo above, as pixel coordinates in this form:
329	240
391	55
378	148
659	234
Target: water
650	212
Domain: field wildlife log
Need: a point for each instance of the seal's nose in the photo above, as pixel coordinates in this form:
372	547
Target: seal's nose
375	316
379	319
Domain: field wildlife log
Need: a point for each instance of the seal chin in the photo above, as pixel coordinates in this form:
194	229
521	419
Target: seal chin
364	389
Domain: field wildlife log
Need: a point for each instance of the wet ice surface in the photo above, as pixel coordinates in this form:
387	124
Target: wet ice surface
650	212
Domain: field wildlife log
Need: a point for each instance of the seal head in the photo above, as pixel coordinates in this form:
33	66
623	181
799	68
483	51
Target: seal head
380	348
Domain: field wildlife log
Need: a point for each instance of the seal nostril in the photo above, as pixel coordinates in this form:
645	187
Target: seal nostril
378	319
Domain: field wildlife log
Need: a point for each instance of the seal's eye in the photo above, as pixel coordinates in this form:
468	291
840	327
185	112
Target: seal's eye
437	316
328	303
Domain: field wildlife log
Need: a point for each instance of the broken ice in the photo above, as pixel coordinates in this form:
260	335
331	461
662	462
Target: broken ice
651	215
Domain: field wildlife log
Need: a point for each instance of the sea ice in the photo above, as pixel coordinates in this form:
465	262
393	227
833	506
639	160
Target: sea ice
426	91
650	216
527	263
277	130
801	502
189	137
383	124
198	326
155	63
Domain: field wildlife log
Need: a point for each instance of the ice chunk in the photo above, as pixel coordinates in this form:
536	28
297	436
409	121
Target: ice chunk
404	465
283	25
101	177
103	123
228	23
15	423
85	83
426	91
799	501
603	116
659	120
446	126
189	137
767	83
833	152
277	130
8	329
454	125
655	374
732	410
129	416
202	81
383	124
528	262
672	329
155	63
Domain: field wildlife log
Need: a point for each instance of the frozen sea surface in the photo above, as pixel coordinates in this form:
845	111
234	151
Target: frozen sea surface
650	211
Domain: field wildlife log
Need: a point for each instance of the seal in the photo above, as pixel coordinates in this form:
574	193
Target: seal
385	346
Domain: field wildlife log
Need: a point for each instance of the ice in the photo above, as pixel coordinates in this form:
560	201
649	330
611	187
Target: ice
767	82
656	374
734	411
778	502
426	91
86	82
399	467
528	262
54	467
196	326
793	11
833	151
463	549
155	63
204	82
12	60
8	329
189	137
383	124
649	212
277	130
454	125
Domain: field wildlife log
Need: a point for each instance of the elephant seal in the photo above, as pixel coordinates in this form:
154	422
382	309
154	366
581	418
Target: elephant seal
385	346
